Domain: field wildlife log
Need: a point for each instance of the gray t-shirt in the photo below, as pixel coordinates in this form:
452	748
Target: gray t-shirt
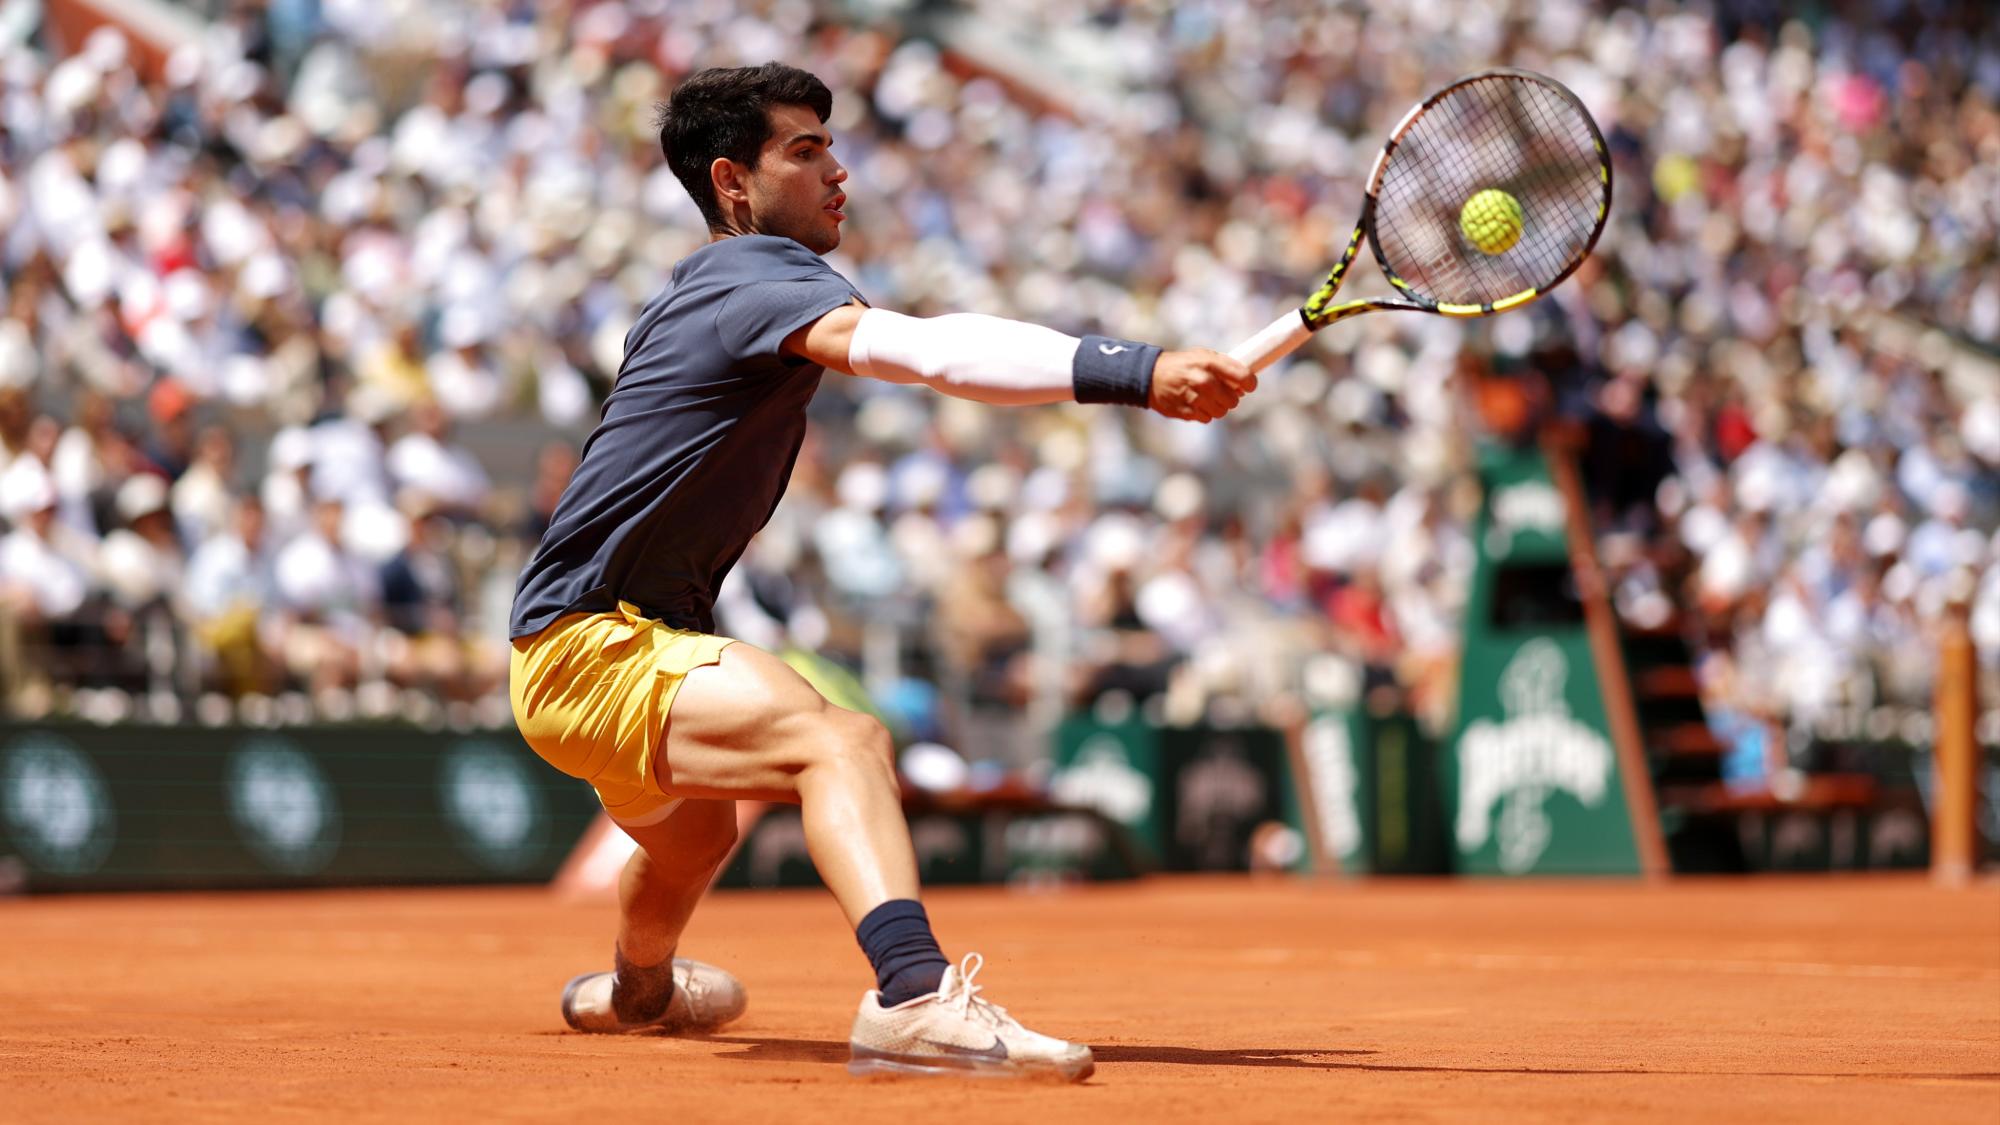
695	444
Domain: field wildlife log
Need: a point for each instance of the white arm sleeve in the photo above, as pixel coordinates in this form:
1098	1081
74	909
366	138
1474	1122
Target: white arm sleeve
966	355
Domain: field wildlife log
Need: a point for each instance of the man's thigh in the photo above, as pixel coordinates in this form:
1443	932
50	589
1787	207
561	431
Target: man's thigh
745	727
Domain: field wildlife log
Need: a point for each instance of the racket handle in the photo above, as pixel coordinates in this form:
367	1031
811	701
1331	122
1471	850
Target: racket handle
1279	339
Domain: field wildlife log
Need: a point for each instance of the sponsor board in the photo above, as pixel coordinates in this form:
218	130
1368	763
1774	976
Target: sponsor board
1334	774
955	848
1507	770
136	807
55	805
1532	771
492	804
284	809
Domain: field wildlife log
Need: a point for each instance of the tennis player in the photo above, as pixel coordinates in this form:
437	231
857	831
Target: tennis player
617	675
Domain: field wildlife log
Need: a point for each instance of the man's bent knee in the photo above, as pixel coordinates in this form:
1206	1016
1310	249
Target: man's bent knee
718	836
855	741
712	852
710	848
870	739
699	835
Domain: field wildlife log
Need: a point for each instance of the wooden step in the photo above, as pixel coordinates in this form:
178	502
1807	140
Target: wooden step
1817	792
1684	738
1667	681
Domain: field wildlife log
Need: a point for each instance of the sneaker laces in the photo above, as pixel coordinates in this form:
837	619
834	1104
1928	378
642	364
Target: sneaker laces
965	995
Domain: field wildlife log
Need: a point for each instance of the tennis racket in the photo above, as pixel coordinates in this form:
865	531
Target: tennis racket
1487	195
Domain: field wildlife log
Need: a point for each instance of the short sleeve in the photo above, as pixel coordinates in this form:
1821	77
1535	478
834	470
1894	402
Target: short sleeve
780	287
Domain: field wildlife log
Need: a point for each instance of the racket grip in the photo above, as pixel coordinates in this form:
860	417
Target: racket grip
1279	339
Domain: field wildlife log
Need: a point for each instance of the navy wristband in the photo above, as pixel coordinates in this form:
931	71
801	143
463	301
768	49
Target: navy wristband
1116	371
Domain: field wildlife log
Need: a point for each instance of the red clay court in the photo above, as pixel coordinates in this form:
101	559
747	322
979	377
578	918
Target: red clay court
1224	999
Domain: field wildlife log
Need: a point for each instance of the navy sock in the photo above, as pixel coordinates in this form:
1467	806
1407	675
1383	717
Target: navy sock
897	938
641	993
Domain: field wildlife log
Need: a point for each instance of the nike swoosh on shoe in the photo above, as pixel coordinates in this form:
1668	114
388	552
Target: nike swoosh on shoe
996	1053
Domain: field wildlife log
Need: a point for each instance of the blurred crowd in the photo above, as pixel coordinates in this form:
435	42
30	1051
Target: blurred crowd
262	307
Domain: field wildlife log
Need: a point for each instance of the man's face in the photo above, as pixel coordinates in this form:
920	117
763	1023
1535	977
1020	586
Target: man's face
795	187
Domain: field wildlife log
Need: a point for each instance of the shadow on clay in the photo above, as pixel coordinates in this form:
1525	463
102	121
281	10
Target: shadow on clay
816	1050
752	1049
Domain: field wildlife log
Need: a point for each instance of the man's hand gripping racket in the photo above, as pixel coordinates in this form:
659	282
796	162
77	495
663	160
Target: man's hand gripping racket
1487	195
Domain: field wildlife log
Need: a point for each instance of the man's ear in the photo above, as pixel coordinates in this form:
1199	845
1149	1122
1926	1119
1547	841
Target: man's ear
730	182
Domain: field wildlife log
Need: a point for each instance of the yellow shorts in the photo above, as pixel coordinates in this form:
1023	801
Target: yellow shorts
591	694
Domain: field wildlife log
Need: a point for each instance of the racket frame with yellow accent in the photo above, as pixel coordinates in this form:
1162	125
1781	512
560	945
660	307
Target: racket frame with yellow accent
1285	334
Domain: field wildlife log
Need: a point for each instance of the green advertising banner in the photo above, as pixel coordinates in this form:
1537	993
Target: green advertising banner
1225	786
1894	834
1116	769
955	848
1532	769
148	807
1339	778
1193	798
1377	799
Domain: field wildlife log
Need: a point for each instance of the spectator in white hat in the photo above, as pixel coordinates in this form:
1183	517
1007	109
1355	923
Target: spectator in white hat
286	491
328	600
38	581
348	461
230	584
460	377
204	495
91	459
426	460
143	560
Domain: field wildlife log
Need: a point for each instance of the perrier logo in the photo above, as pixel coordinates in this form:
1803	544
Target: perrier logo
1516	763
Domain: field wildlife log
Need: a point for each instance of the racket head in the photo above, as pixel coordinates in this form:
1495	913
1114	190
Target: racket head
1505	129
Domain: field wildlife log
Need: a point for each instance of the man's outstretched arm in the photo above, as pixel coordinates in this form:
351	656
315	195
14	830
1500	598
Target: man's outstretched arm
1006	362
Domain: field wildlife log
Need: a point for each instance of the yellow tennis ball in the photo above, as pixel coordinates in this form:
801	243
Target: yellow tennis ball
1491	220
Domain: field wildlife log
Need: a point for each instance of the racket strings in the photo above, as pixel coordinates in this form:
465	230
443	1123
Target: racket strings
1504	132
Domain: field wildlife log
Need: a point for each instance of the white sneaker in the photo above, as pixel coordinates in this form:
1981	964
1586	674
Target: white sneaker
704	999
953	1031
